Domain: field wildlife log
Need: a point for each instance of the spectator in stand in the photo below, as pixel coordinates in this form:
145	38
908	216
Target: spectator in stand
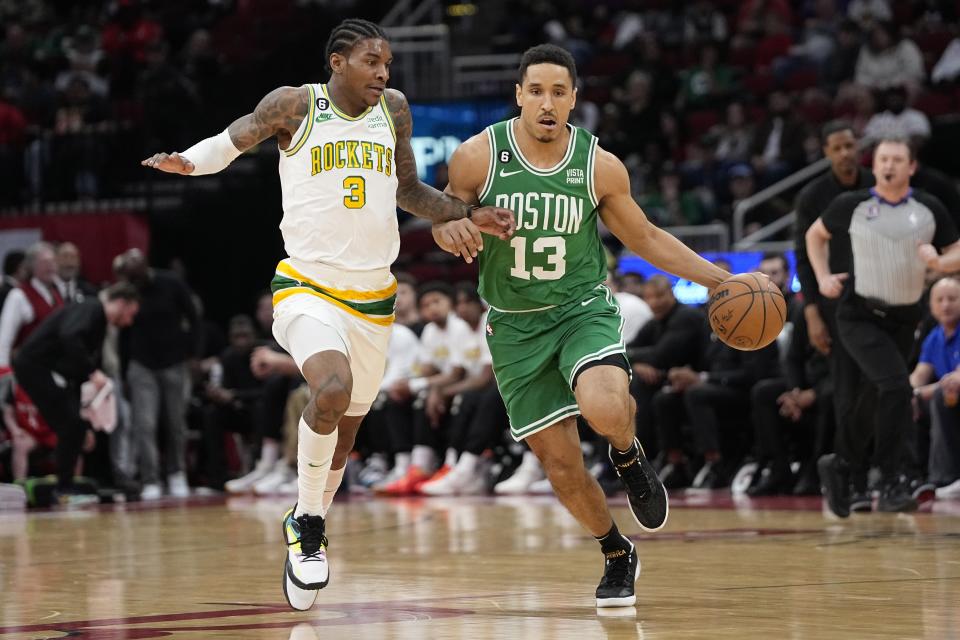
936	386
633	284
889	60
841	65
15	271
263	314
439	364
867	13
706	85
640	114
948	66
84	55
898	119
718	386
704	23
31	302
778	143
734	136
72	287
668	205
636	313
76	149
741	186
165	93
407	312
478	418
234	397
164	338
674	337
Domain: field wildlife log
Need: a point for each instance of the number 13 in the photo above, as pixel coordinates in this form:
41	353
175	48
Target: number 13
555	259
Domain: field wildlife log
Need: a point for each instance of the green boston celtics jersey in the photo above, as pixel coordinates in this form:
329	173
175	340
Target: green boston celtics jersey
556	253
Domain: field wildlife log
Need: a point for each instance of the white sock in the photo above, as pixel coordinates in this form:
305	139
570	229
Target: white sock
334	478
451	457
401	461
424	457
314	455
467	462
269	452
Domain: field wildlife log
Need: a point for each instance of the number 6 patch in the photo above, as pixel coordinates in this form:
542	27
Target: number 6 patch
505	156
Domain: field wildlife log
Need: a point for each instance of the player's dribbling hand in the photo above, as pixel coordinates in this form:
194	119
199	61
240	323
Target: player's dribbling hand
459	237
496	221
832	285
170	163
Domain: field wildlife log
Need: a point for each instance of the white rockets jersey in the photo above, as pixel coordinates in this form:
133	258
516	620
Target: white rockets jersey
339	185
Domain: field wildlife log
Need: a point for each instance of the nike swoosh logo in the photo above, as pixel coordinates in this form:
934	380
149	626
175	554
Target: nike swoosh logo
315	466
586	302
507	174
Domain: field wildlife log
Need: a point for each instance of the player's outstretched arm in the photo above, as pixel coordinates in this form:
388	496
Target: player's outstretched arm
466	173
424	201
624	217
279	113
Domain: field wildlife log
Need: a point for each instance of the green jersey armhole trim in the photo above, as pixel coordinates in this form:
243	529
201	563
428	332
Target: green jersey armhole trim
571	145
386	112
591	167
337	111
552	306
291	150
491	164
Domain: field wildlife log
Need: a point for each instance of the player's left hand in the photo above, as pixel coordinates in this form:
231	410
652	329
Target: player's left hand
496	221
928	253
459	237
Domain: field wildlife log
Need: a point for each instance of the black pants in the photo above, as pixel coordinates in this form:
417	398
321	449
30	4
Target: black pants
944	441
60	407
477	420
879	338
218	420
702	404
272	405
646	420
770	426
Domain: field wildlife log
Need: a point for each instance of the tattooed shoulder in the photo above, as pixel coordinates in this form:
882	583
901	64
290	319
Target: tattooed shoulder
279	113
399	112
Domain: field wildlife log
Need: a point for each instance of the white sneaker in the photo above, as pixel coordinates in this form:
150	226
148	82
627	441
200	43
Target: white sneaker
177	485
245	483
526	474
281	474
950	491
446	485
291	488
151	492
541	488
305	565
395	474
373	472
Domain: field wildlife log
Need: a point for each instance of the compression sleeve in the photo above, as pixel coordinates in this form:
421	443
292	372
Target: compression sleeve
212	155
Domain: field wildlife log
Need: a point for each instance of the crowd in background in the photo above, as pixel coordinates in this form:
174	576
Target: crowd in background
706	102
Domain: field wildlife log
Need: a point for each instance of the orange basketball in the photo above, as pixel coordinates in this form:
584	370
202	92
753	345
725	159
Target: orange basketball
747	311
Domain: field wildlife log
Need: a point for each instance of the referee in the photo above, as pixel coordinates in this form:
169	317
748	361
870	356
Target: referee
820	313
889	235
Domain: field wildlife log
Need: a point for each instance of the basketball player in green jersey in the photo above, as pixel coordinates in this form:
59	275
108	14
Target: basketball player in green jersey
345	165
553	327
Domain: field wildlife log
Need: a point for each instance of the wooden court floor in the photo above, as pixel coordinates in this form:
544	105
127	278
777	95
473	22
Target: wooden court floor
480	568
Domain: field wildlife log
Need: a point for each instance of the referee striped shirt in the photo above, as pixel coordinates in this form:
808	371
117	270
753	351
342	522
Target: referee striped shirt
883	237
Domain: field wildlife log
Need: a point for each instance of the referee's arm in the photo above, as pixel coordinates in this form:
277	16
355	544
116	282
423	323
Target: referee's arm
818	251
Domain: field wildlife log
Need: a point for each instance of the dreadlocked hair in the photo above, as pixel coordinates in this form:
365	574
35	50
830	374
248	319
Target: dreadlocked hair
348	33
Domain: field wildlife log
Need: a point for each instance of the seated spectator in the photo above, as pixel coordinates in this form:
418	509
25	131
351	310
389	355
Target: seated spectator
668	205
936	383
673	338
867	13
703	22
439	364
73	288
734	136
888	60
841	65
636	313
718	386
948	66
898	119
407	312
778	144
31	302
478	418
707	84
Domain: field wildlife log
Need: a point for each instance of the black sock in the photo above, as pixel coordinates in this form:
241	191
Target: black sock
613	544
625	457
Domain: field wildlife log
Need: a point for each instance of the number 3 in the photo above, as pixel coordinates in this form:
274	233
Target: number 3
358	192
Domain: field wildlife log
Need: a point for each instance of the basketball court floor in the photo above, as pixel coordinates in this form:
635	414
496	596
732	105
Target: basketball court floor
480	568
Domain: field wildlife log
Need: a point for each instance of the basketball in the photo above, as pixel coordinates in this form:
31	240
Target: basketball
747	311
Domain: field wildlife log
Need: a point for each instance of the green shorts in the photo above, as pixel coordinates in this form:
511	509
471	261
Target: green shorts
537	354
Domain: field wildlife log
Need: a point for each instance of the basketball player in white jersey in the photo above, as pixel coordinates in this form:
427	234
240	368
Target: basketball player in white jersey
345	164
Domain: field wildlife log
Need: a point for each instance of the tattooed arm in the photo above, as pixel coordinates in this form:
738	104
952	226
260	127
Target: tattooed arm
424	201
278	114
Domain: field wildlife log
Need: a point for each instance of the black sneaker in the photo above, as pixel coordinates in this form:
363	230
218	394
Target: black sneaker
923	491
895	497
711	476
861	501
621	570
648	498
675	475
835	482
776	481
